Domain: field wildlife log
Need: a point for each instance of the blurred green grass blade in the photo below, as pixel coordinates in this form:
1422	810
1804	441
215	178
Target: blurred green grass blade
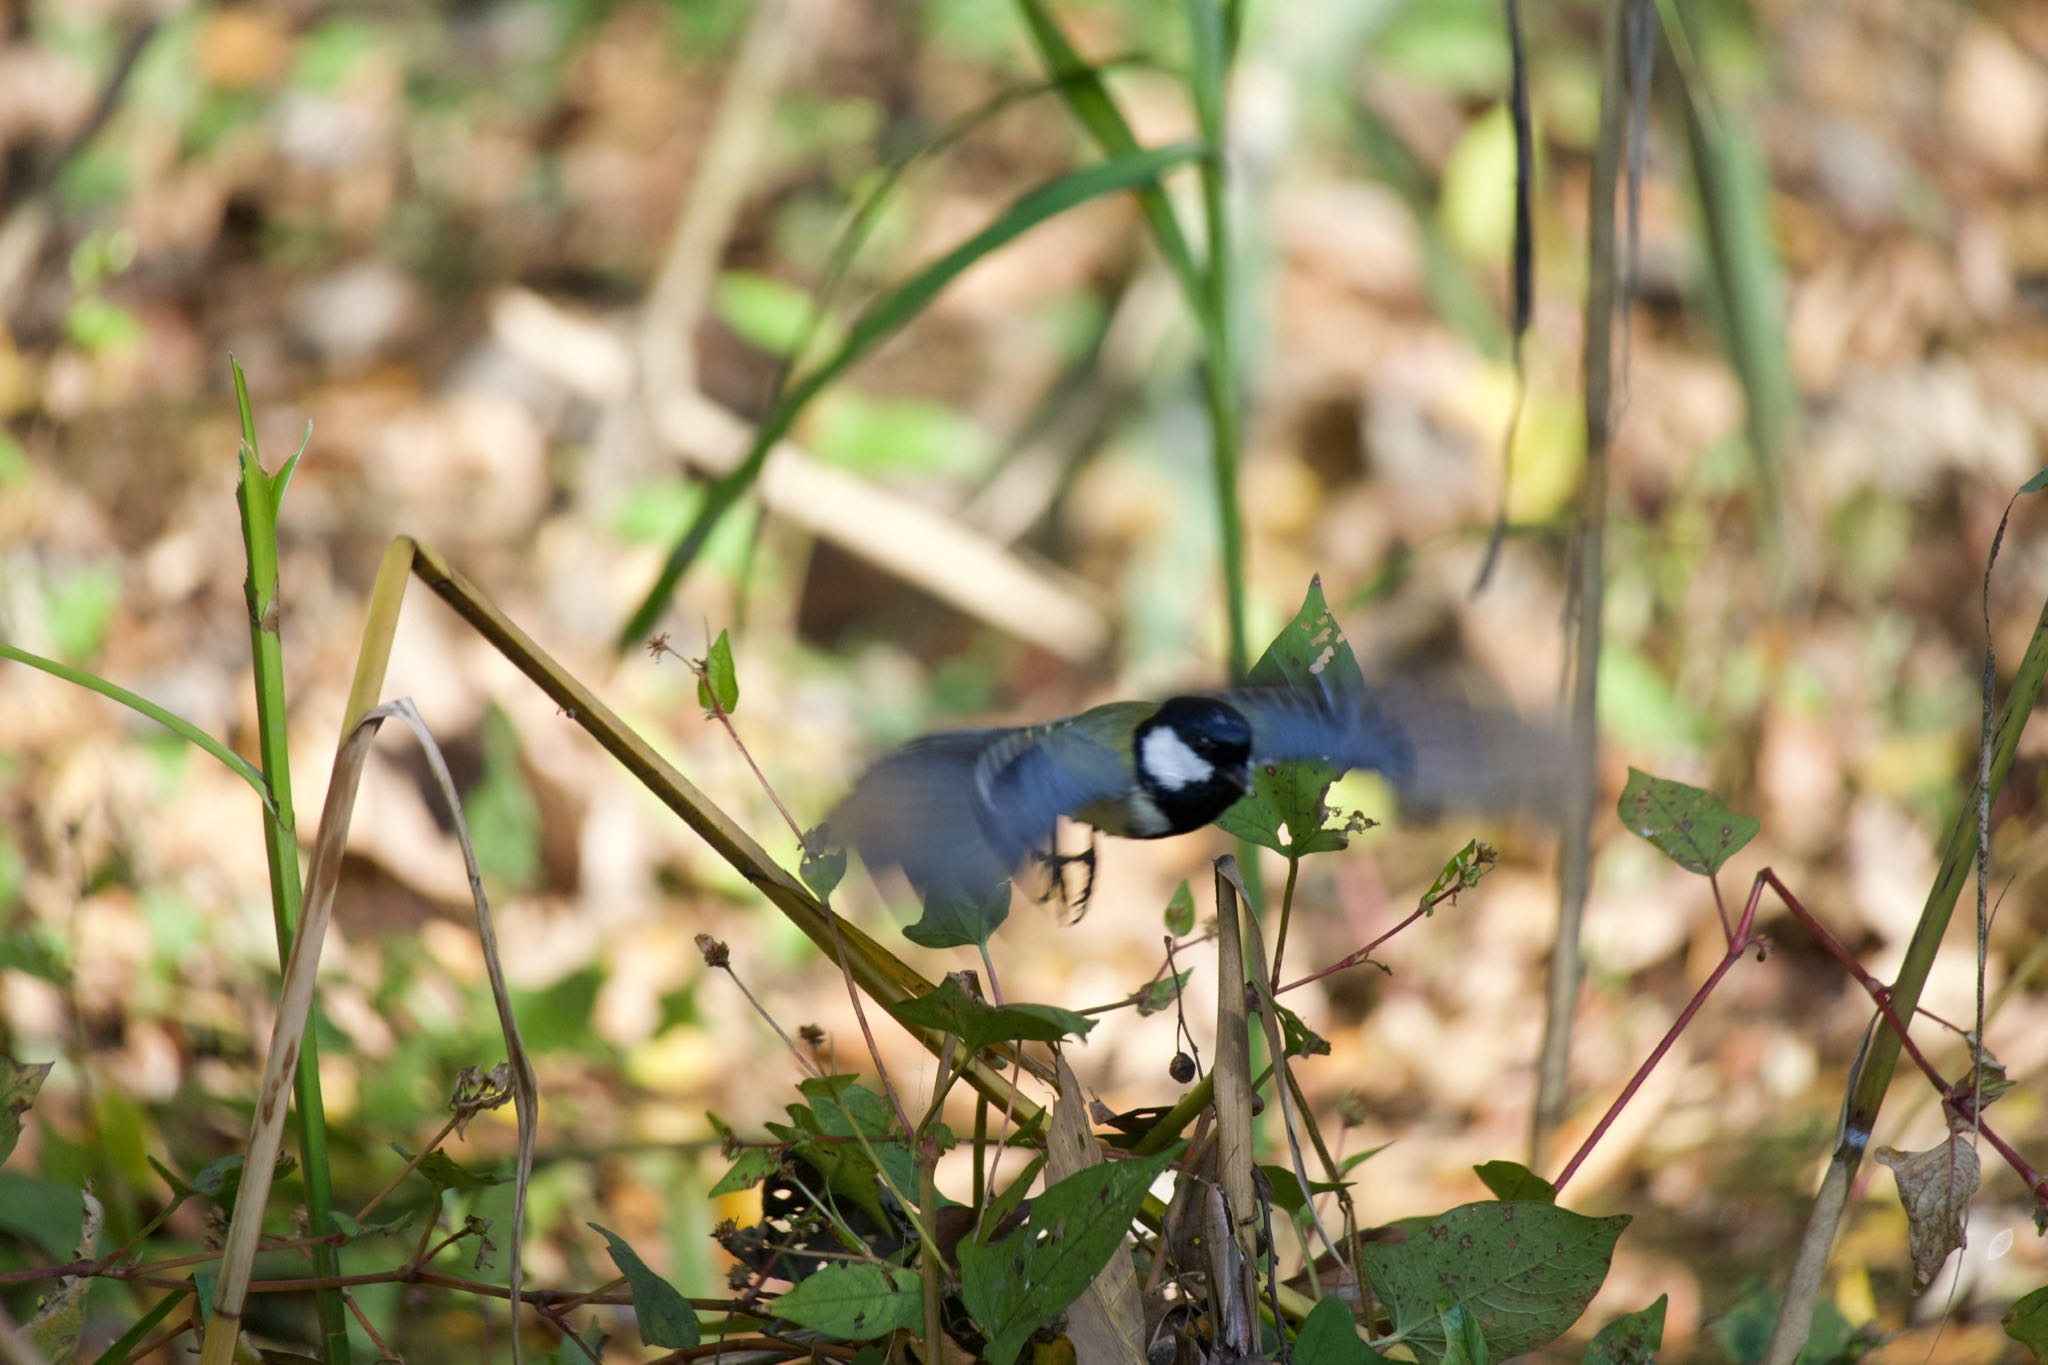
1959	854
143	1326
1099	115
1732	180
1455	295
887	313
860	223
176	724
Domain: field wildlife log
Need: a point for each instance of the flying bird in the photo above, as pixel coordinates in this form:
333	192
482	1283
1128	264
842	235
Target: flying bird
958	811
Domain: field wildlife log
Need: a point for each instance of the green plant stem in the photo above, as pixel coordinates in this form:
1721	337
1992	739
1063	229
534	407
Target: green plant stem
259	496
1286	915
1209	77
1874	1075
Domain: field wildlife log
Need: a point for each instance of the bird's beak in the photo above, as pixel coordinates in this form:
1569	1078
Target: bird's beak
1241	778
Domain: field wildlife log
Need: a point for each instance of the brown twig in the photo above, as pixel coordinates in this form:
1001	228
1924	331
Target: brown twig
1743	938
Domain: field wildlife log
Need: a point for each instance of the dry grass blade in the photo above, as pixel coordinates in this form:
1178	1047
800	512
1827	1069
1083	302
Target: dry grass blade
525	1089
1107	1323
295	1008
295	1004
1261	977
885	978
1233	1077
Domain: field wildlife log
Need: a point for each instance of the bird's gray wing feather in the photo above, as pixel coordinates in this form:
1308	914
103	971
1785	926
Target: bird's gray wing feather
958	811
1437	749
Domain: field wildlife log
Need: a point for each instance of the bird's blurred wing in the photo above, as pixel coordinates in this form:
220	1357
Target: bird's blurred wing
957	812
1436	748
917	809
1031	778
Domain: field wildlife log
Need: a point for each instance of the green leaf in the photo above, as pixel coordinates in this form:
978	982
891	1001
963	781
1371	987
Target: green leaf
1464	1341
2035	485
1524	1271
1329	1337
570	1352
1180	911
1476	199
1017	1285
955	921
822	867
882	318
1690	826
96	323
839	1108
718	686
503	816
1630	1340
1286	1188
1462	872
219	1180
1299	1039
45	1212
445	1173
19	1082
855	1302
1161	994
79	607
665	1316
763	312
2027	1320
356	1231
950	1009
13	462
902	437
558	1016
1743	1331
752	1166
1310	653
1515	1183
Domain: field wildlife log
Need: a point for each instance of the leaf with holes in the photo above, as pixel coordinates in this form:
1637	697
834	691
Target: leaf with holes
1690	826
855	1302
1523	1271
1310	653
1632	1339
1015	1286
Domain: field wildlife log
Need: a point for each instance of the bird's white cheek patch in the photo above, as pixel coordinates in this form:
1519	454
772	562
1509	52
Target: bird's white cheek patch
1170	762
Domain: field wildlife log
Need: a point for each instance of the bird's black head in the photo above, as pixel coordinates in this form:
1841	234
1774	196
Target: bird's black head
1193	758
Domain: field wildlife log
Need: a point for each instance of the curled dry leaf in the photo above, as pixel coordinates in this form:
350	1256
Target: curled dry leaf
1935	1186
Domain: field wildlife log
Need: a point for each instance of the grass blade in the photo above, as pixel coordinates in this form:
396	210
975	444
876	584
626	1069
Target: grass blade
259	496
1098	115
176	724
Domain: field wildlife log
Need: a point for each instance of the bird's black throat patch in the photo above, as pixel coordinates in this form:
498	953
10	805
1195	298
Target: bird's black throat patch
1210	735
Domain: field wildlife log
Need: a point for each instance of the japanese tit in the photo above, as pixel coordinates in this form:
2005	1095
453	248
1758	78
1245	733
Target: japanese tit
958	811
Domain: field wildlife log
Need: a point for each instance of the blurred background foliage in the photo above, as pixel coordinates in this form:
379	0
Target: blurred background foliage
432	232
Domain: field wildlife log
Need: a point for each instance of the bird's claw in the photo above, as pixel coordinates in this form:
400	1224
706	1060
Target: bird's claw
1056	864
